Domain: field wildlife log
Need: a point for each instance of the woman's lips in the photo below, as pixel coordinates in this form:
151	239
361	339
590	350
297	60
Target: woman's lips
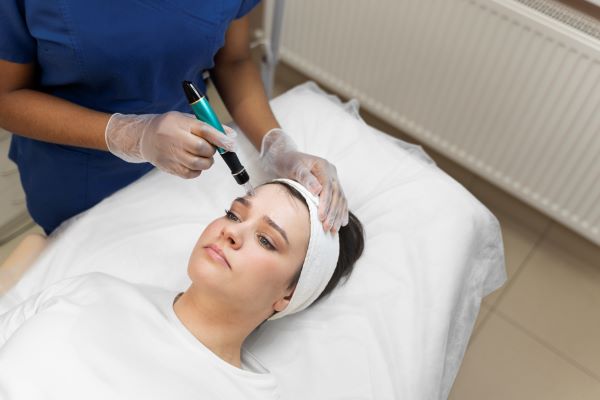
217	254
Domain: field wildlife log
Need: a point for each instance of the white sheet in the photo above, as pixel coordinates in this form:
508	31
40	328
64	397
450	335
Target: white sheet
397	330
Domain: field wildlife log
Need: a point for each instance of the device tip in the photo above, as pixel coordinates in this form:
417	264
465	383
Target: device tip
192	94
249	189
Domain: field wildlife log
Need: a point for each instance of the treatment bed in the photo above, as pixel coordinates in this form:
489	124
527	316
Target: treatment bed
399	327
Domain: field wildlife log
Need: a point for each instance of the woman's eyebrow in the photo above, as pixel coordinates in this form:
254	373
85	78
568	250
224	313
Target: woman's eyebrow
244	201
276	227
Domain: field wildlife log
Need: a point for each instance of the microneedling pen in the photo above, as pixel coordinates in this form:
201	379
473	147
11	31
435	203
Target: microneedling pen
205	113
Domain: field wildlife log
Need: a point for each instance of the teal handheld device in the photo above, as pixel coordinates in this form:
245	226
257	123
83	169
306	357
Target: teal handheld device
204	112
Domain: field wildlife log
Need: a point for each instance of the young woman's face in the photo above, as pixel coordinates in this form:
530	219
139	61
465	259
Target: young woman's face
263	240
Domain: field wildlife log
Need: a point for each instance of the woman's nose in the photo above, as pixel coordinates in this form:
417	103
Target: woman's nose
233	233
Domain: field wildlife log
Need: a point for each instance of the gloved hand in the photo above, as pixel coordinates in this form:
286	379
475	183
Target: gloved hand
175	142
279	153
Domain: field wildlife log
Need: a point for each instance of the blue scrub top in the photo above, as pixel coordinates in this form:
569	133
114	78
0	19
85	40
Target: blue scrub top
126	56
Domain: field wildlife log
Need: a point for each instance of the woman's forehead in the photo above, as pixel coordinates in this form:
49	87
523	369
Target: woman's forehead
276	202
276	197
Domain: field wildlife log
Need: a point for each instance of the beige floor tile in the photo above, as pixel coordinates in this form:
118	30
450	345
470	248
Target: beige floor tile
519	242
497	200
484	313
460	174
505	363
522	228
557	298
574	243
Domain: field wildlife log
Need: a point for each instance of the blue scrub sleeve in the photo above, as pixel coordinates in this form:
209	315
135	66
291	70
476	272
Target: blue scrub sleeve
16	43
246	7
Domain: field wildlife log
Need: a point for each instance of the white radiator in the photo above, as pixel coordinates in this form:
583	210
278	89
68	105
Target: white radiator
500	86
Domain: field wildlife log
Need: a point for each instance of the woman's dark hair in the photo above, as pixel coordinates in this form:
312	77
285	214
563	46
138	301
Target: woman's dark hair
352	243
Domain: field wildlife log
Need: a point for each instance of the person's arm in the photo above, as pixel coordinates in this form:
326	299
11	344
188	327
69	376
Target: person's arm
41	116
172	141
239	84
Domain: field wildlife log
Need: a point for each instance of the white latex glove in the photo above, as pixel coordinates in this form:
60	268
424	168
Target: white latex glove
175	142
279	153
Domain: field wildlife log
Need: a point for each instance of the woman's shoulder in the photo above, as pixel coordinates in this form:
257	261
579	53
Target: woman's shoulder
90	285
97	288
99	279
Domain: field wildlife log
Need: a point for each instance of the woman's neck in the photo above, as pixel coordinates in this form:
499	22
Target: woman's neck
223	336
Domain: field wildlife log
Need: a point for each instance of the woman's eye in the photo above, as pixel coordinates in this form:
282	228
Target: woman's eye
261	239
231	215
264	242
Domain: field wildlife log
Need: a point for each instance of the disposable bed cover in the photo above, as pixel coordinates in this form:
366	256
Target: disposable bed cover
397	329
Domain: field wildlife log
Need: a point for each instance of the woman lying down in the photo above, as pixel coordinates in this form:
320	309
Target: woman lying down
96	336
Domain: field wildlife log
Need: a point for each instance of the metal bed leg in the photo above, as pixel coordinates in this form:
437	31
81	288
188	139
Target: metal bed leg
269	63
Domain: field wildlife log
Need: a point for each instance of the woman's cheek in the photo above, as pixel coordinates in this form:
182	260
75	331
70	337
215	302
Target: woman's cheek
211	233
270	267
204	240
213	227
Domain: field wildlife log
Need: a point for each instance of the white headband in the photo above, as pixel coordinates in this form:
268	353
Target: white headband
321	257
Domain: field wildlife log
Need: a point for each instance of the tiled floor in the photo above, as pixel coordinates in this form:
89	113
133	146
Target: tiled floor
538	337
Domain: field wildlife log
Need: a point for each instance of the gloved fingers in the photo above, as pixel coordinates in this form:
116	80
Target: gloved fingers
333	219
325	197
213	136
177	169
332	209
230	132
336	206
188	173
323	171
195	163
346	215
336	219
339	220
197	146
308	180
333	206
341	211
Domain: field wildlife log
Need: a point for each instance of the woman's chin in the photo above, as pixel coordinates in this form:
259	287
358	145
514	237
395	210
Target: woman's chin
205	270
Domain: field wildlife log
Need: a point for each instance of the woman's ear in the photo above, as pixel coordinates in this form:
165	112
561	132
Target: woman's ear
282	303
